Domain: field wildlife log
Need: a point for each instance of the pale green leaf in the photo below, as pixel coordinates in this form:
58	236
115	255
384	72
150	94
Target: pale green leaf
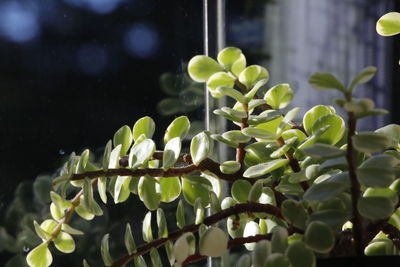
171	152
124	138
252	74
364	76
217	80
148	193
229	167
255	191
371	142
106	155
251	229
375	208
198	209
389	24
313	114
200	147
294	213
141	153
300	256
319	237
180	215
325	81
161	224
194	187
227	56
105	251
290	115
258	133
323	151
279	239
146	229
39	256
128	240
255	89
261	252
324	191
170	188
121	189
144	126
264	168
213	242
236	136
155	258
279	96
231	92
201	67
240	190
70	230
64	242
179	127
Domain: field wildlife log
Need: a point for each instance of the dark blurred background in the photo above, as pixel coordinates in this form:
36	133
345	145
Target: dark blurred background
73	71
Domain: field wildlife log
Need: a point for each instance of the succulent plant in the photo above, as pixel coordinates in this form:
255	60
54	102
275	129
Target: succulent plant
299	188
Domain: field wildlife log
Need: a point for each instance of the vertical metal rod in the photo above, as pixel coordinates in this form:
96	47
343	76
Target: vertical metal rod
214	41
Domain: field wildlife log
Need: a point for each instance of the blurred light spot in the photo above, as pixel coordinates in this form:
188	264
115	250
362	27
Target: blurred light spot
92	59
141	40
98	6
18	23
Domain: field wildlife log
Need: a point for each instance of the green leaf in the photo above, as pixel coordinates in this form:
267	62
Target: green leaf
261	252
39	256
258	133
277	260
332	217
64	242
364	76
229	167
106	155
324	191
313	114
264	168
294	213
220	79
263	117
88	200
300	256
124	138
370	142
170	188
251	229
252	74
254	90
392	131
105	251
213	242
200	147
215	203
169	249
290	115
198	211
255	191
148	193
319	237
244	261
382	192
375	177
85	264
184	247
231	92
139	261
240	190
114	158
82	211
43	234
194	187
201	67
171	152
121	189
146	229
236	136
389	24
129	241
144	126
179	127
279	239
325	81
70	230
102	189
141	153
227	115
379	247
375	208
279	96
161	224
155	258
228	56
323	151
180	215
335	131
59	201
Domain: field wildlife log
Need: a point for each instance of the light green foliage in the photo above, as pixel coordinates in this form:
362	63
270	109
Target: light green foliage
389	24
299	190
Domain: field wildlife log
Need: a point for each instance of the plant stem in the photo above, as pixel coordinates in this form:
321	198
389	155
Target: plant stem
240	152
355	186
237	209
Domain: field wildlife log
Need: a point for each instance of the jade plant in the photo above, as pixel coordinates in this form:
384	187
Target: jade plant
389	24
299	188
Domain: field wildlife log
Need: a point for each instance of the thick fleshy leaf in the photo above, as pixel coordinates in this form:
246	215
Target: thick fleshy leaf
215	203
290	115
59	201
251	229
139	262
389	24
333	217
179	127
264	168
129	241
170	188
70	230
213	242
229	167
105	251
244	261
379	247
264	117
180	215
375	177
323	151
169	249
124	138
236	136
278	260
161	224
184	247
371	142
102	189
171	152
240	190
252	74
279	96
294	213
42	233
201	67
144	126
299	255
364	76
141	153
200	147
194	187
220	79
382	192
83	212
106	155
375	208
233	93
114	157
258	133
39	256
261	252
64	242
146	229
391	131
335	131
324	191
313	114
254	90
155	258
319	237
255	191
228	56
88	201
325	81
198	209
279	239
121	189
148	193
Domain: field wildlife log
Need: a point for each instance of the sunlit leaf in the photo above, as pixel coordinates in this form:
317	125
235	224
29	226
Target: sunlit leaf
325	81
129	241
200	147
171	152
144	126
389	24
364	76
39	256
64	242
213	242
124	138
105	251
201	67
264	168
